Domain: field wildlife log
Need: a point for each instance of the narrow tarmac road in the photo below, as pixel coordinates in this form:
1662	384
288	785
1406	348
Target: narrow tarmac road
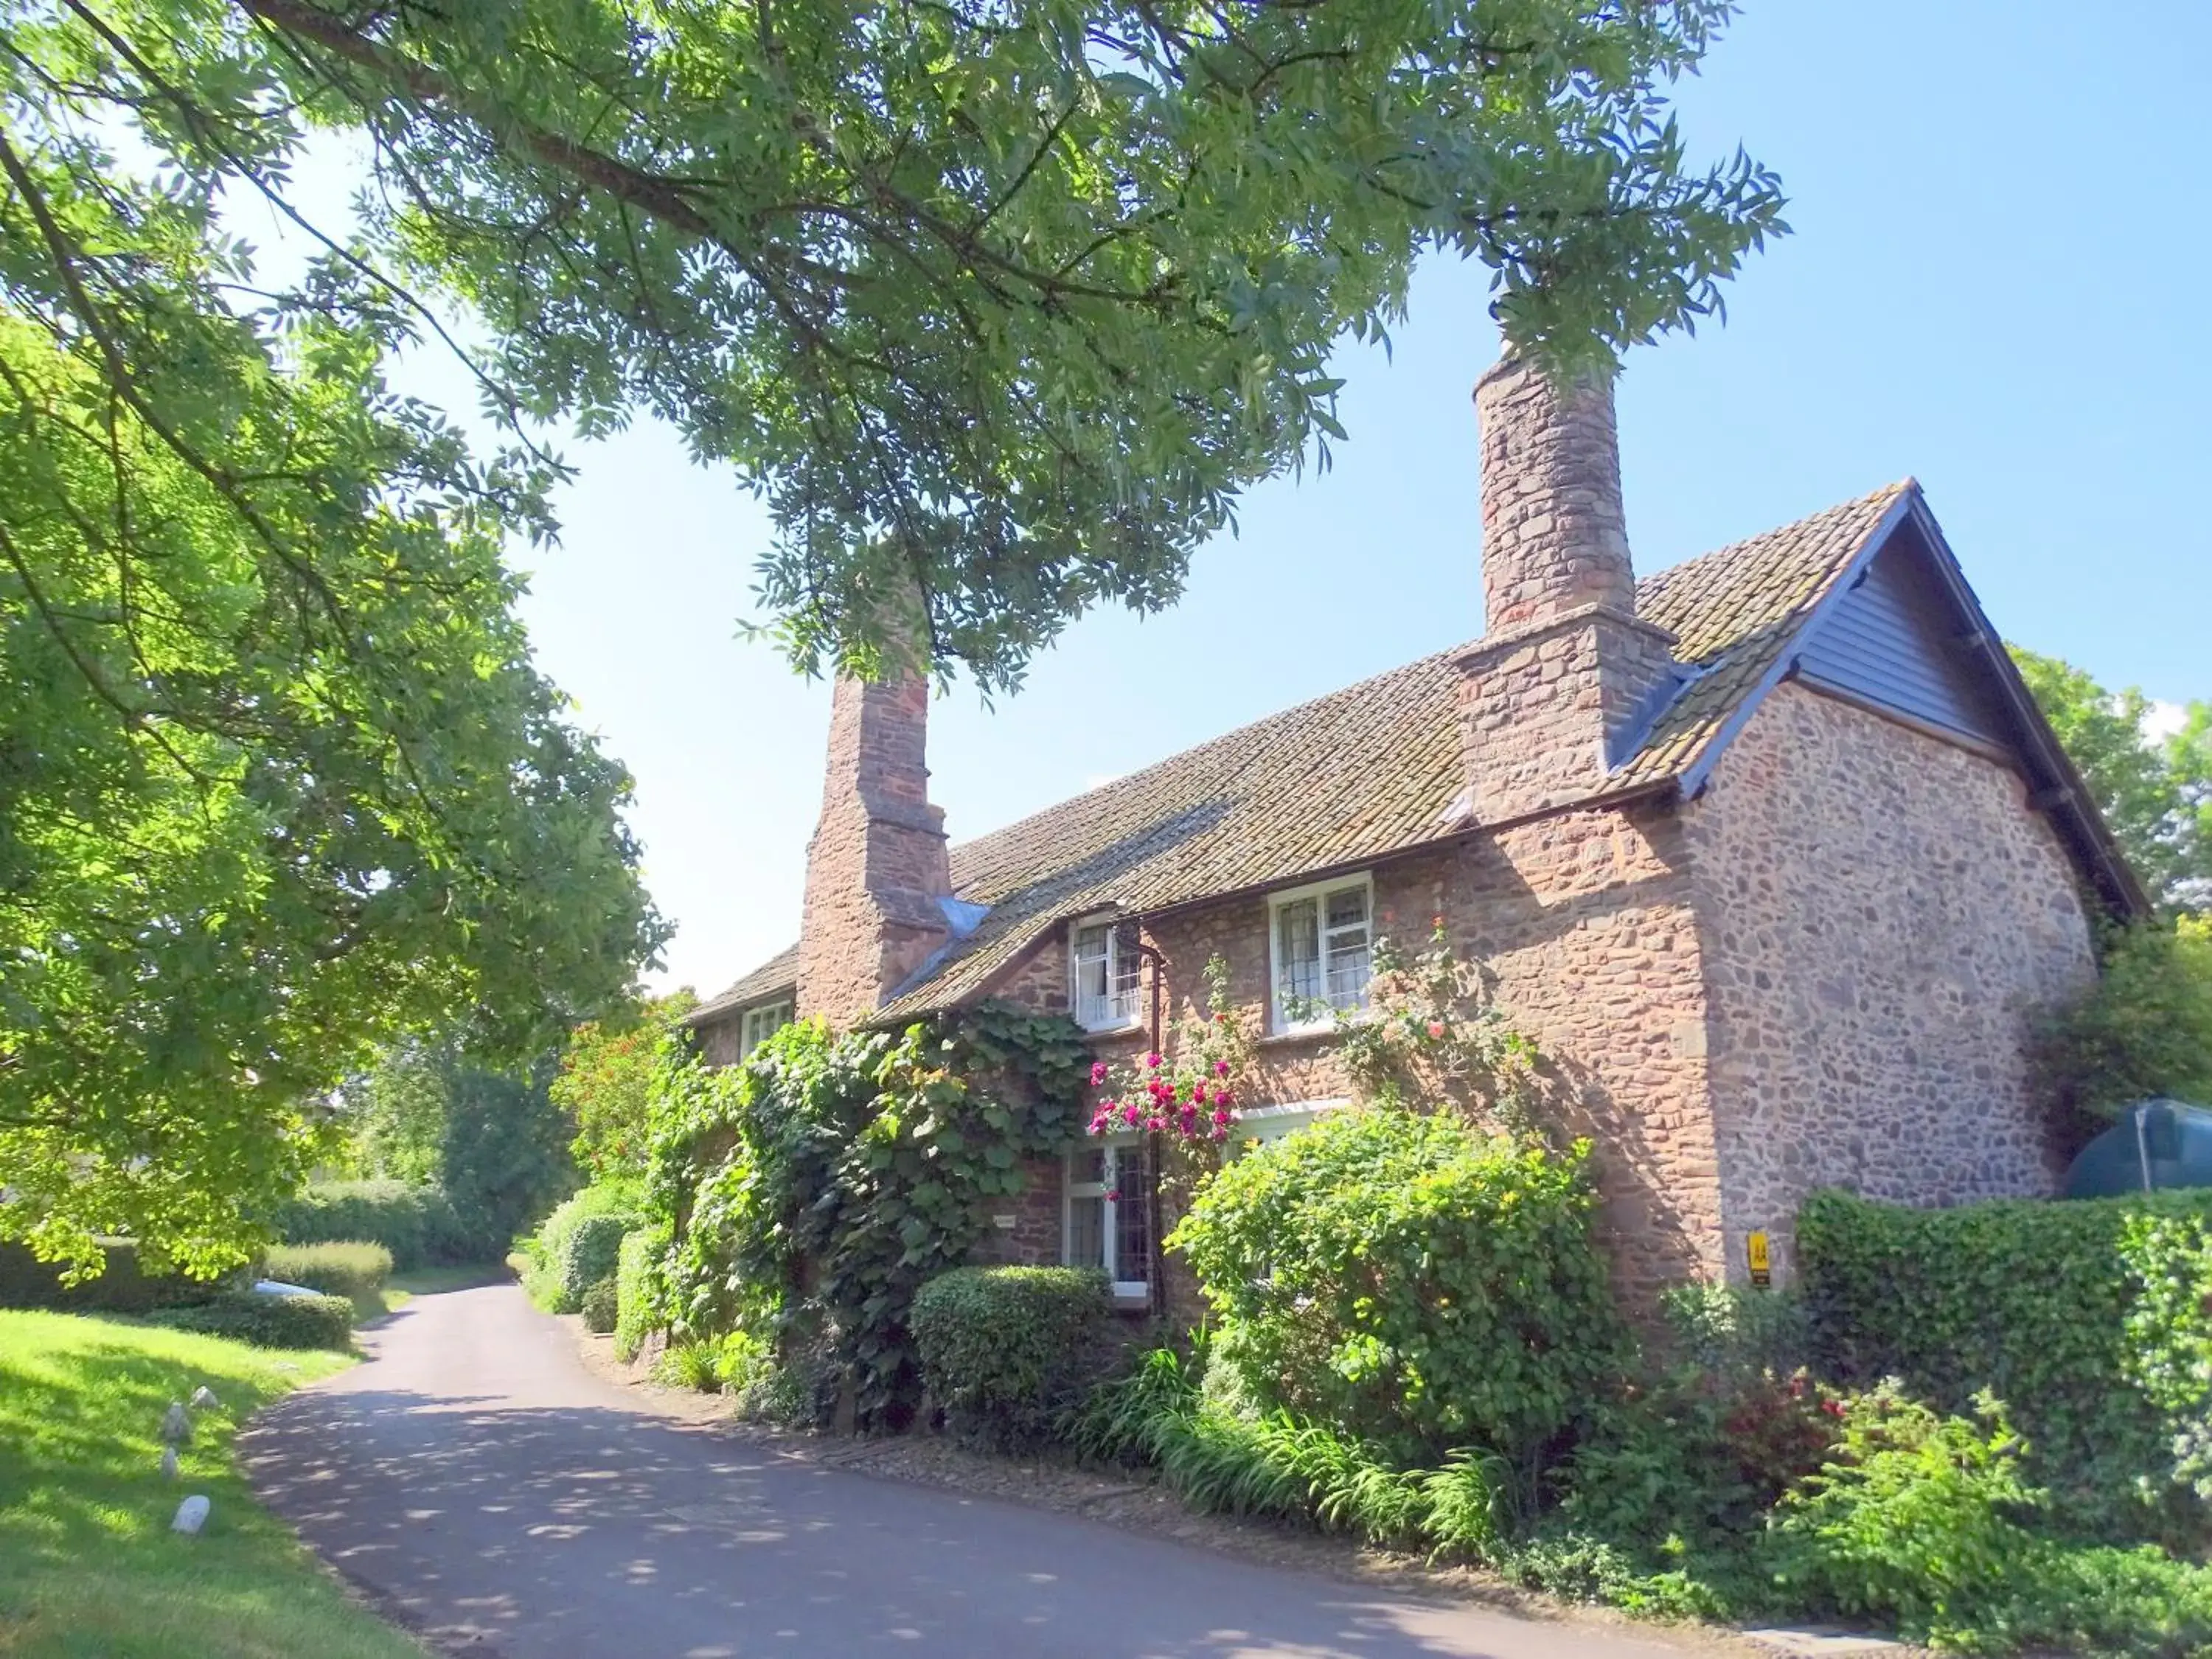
478	1479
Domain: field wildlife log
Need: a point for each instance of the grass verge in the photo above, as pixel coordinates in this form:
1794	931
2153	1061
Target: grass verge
88	1565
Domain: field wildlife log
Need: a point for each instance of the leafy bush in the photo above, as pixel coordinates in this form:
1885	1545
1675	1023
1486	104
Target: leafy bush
1007	1350
269	1321
351	1268
1409	1280
809	1193
2086	1316
123	1286
417	1223
2144	1028
1916	1520
599	1304
590	1254
634	1290
690	1363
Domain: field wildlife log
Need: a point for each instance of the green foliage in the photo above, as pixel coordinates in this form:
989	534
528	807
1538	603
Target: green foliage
885	218
1409	1280
505	1158
600	1304
589	1256
2143	1030
636	1290
87	1565
607	1082
123	1285
1914	1519
1122	1418
350	1269
809	1193
280	780
417	1223
2156	795
400	1130
2086	1316
1008	1350
690	1363
269	1321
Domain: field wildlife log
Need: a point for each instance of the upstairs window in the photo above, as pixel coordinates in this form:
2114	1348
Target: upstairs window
760	1024
1105	965
1107	1222
1322	943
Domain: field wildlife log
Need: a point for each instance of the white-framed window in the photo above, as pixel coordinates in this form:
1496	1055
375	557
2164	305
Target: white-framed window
1106	1216
1258	1124
1321	948
760	1024
1104	967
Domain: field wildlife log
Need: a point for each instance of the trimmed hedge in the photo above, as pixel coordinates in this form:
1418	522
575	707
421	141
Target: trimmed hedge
27	1282
351	1268
598	1306
269	1321
2086	1317
633	1289
417	1224
1008	1350
590	1253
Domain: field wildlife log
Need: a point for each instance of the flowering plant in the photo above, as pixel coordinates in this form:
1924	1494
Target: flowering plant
1430	1032
1191	1096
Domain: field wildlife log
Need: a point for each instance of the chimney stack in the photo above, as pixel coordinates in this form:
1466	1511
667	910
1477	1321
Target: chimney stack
1565	673
876	869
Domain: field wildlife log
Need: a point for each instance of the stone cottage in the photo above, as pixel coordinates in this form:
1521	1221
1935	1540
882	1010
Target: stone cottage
1772	853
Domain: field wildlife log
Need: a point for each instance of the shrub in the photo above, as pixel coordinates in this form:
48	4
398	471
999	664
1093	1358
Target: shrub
2144	1028
690	1363
598	1305
1916	1520
2085	1316
1007	1350
270	1322
590	1254
1409	1280
122	1287
1122	1418
634	1290
417	1223
351	1268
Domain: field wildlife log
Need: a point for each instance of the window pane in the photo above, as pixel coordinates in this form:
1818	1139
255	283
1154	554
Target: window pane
1350	958
1088	1167
1090	977
1132	1233
1127	963
1297	951
1086	1232
1347	906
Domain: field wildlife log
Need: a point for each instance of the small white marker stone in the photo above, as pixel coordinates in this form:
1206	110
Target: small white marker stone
168	1462
191	1515
204	1399
176	1426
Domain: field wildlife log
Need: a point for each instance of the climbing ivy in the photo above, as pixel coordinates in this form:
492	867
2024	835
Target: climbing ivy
809	1192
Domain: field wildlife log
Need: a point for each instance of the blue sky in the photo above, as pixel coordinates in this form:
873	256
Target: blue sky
1996	285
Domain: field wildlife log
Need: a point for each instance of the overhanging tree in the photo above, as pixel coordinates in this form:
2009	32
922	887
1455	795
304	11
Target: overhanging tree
1000	301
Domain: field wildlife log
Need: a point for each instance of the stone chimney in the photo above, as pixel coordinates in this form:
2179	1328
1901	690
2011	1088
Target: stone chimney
1565	674
876	869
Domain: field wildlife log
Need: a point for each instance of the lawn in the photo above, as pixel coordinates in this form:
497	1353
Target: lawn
88	1565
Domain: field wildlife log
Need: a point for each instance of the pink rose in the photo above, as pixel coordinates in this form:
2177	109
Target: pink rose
1221	1115
1130	1114
1221	1068
1437	1028
1097	1073
1152	1060
1114	1195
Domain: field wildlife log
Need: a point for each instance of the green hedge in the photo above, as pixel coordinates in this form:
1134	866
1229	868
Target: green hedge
270	1322
600	1305
417	1224
591	1252
634	1290
27	1282
1008	1350
348	1268
2086	1317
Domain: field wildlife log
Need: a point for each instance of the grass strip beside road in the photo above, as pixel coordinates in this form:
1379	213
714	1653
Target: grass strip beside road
88	1567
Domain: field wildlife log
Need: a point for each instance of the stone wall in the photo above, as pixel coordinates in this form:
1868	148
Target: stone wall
1587	923
1882	917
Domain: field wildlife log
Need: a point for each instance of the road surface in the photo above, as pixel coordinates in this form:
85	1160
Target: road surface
484	1485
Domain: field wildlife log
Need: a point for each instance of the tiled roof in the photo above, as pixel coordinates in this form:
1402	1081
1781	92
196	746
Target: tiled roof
1364	772
779	974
